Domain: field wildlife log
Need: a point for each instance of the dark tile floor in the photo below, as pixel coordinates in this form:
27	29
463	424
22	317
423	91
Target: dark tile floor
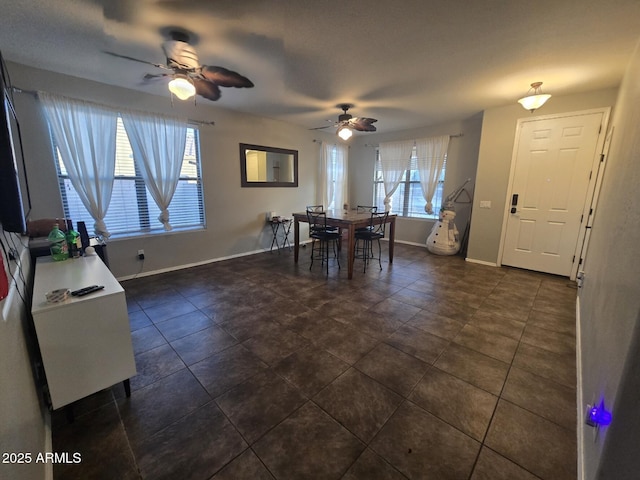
255	368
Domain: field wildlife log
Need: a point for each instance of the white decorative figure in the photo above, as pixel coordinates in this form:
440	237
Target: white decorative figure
444	238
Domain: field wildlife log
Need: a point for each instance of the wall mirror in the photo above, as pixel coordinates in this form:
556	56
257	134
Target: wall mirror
268	166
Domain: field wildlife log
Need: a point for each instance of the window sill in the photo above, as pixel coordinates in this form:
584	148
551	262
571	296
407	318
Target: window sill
153	233
419	219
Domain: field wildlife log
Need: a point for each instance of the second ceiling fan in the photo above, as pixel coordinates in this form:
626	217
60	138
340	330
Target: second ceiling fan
347	123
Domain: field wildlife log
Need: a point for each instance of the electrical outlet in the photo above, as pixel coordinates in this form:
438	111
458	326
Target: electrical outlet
140	254
485	203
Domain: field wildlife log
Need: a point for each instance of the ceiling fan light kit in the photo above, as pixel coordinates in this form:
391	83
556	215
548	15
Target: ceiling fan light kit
344	132
182	87
536	99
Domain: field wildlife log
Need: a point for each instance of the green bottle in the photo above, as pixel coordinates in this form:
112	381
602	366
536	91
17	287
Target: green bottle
58	241
72	243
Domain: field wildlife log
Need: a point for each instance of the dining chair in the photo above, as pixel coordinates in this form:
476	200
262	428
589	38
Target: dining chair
320	234
320	209
365	209
365	238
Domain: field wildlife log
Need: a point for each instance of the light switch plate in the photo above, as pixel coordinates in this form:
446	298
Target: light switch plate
485	203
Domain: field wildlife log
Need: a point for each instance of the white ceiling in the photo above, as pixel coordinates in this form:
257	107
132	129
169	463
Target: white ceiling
408	63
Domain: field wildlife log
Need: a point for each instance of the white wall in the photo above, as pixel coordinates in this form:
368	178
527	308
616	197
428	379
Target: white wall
235	216
461	164
610	299
494	163
24	419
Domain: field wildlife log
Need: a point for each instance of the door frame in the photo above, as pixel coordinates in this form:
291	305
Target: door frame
594	200
597	171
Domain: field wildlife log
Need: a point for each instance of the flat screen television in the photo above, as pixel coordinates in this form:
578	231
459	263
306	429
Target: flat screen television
12	202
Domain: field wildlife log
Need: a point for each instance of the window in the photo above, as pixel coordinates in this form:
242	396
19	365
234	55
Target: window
132	210
407	200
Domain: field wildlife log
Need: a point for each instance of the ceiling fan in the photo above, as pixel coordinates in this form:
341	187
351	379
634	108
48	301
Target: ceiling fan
188	76
347	123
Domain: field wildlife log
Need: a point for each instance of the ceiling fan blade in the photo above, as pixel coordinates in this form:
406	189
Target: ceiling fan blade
159	65
363	124
365	128
181	55
207	89
152	76
321	128
224	77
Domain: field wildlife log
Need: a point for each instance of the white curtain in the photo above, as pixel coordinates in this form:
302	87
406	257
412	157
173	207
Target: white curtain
158	149
395	159
86	136
430	153
333	176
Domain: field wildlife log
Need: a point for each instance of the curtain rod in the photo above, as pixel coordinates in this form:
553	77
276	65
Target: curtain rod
200	122
22	90
335	144
457	135
35	94
315	140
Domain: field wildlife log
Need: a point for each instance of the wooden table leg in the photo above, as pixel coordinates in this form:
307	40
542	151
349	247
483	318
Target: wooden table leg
351	253
296	240
392	237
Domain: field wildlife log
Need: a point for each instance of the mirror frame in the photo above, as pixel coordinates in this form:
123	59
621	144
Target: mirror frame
243	166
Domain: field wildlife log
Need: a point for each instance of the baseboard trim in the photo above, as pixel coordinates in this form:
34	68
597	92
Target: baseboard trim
244	254
194	264
481	262
187	265
415	244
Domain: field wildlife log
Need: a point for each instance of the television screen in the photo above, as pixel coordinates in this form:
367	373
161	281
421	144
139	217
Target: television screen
12	215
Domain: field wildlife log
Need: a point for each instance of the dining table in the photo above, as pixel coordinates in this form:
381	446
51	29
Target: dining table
349	221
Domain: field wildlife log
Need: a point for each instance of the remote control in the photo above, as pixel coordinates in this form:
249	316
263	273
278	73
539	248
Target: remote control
86	290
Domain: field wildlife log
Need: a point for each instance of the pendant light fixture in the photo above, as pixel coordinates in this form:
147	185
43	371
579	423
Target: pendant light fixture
344	132
182	87
534	100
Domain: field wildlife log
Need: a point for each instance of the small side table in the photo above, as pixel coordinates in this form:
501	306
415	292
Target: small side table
280	228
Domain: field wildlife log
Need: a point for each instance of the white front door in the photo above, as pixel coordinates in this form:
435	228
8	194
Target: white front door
549	190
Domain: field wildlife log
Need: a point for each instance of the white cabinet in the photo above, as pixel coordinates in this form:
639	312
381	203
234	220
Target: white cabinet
85	342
